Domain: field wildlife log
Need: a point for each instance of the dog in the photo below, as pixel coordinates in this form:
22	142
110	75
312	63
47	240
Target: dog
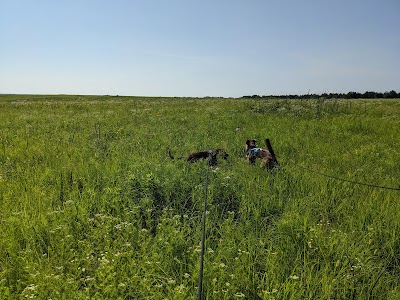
211	155
253	152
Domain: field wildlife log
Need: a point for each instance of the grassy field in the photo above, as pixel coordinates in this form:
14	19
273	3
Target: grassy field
91	207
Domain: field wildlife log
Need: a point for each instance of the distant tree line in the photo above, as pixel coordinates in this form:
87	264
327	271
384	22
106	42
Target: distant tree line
350	95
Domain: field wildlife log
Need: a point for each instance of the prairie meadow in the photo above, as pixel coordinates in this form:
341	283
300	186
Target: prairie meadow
92	207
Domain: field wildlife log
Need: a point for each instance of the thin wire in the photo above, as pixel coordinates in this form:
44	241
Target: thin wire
346	180
203	236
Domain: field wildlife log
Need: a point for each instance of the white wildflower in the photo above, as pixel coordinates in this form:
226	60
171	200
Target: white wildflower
181	288
87	279
240	295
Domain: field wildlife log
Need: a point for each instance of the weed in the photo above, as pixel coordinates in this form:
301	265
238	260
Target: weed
92	207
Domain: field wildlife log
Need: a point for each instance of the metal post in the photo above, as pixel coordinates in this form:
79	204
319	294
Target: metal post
268	143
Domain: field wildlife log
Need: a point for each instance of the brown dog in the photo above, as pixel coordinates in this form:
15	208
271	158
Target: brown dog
253	152
209	154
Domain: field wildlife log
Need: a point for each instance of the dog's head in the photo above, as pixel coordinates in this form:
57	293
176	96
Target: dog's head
250	144
213	154
221	152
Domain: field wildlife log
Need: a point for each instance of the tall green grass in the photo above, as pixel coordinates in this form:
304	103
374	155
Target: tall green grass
91	207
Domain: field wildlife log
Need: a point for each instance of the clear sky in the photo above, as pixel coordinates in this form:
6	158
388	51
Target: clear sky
227	48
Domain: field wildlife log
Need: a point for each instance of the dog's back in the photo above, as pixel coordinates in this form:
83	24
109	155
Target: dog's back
209	154
253	152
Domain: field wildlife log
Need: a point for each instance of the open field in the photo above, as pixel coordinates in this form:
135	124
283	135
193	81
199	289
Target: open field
91	207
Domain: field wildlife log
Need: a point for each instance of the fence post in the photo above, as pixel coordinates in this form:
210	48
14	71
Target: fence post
268	143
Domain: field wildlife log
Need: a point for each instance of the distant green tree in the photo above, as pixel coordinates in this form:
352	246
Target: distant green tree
350	95
391	95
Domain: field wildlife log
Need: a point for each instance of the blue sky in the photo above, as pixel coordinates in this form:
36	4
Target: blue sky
225	48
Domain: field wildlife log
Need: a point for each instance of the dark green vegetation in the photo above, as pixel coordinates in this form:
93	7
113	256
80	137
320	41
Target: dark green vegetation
92	208
350	95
